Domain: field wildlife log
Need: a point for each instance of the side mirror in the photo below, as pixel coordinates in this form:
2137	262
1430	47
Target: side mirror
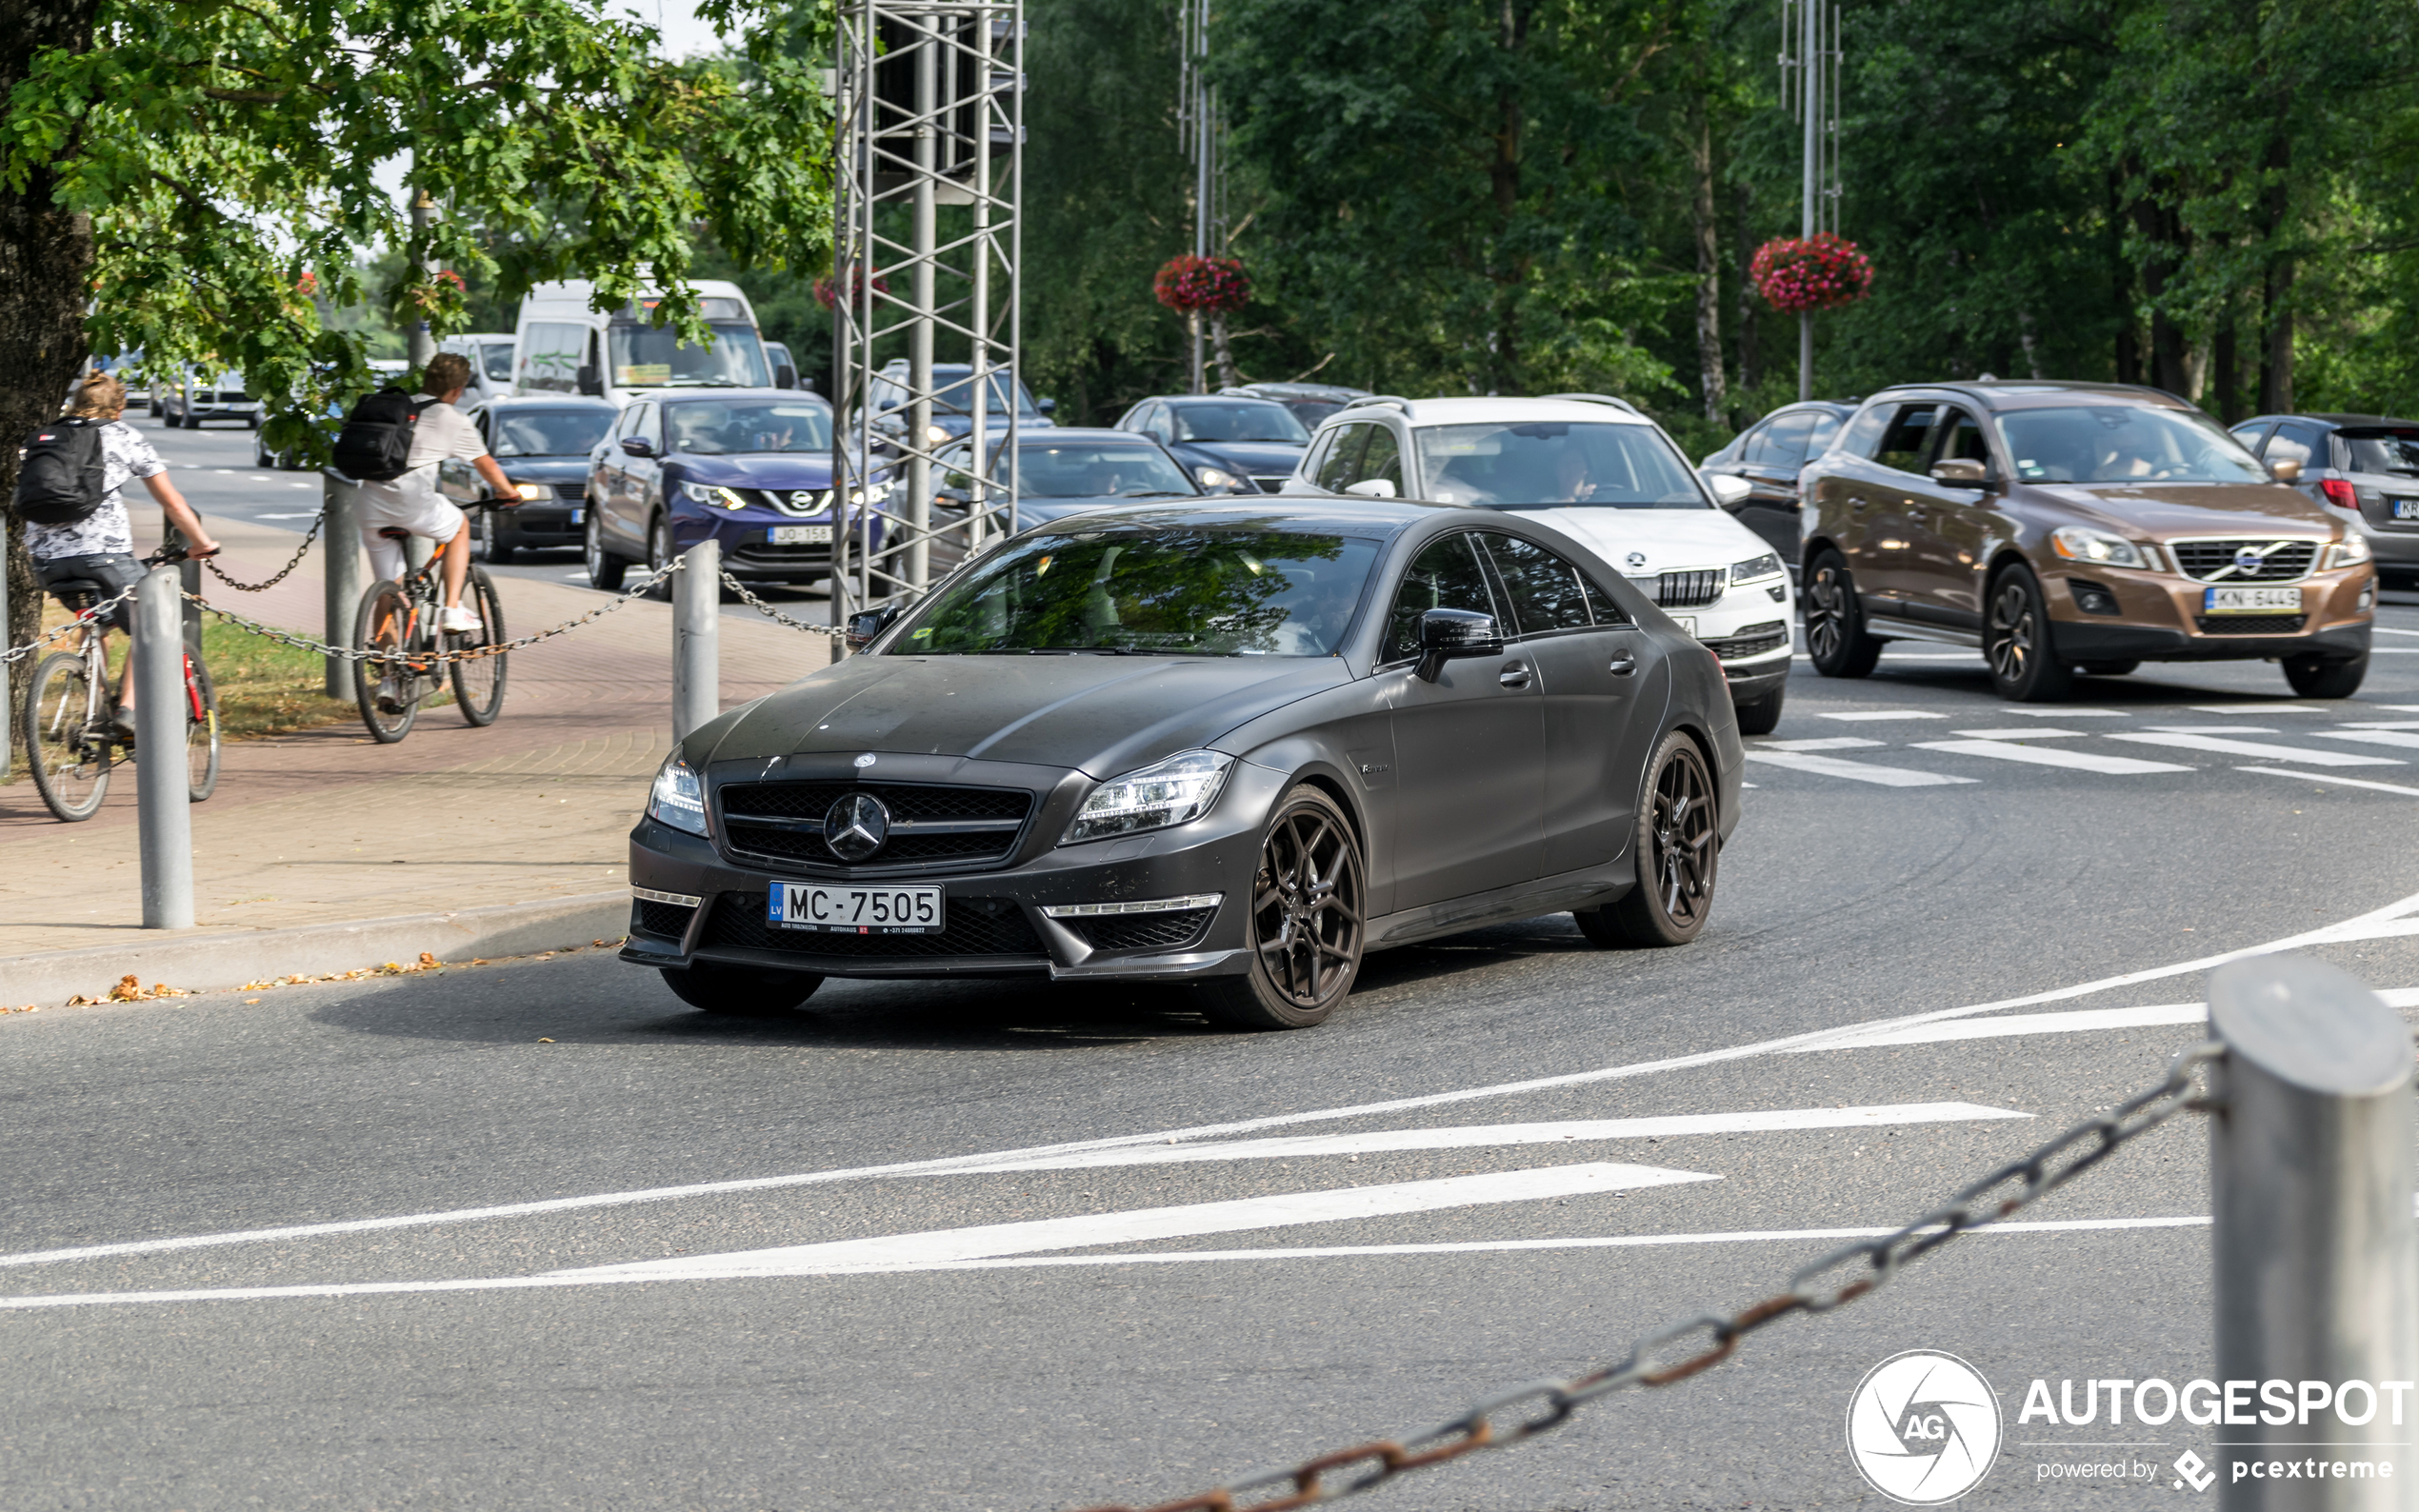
891	403
1047	406
864	628
1961	472
1445	634
638	446
1372	489
784	376
588	382
2285	471
1730	489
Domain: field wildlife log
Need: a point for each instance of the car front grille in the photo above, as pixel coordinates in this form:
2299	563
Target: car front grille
1753	640
970	927
664	921
780	500
571	492
930	827
1685	591
1145	931
1273	485
763	553
2281	562
2252	624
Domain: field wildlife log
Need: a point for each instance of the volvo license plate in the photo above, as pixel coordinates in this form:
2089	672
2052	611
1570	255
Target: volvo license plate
853	910
801	535
2250	601
2404	508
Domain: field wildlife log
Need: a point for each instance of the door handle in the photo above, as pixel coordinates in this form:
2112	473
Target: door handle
1515	674
1622	664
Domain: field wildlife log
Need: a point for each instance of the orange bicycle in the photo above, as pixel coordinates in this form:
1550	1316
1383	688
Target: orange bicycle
405	658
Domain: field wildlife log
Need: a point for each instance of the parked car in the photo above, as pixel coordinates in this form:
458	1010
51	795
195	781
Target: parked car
565	346
543	446
1310	403
1769	454
1599	471
2063	527
952	404
490	355
784	368
1067	471
2366	468
748	466
127	367
1207	745
1226	443
204	393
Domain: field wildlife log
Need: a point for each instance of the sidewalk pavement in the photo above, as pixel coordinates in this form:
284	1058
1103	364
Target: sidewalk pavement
324	850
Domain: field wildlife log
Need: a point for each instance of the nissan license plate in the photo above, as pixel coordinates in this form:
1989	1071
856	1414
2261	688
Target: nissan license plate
2405	509
853	910
802	535
2250	601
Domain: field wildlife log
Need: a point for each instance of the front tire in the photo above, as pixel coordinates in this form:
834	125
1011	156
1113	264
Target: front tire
1835	638
1303	931
2315	677
478	685
604	570
2015	639
67	737
1676	851
495	549
659	556
200	730
740	991
1762	716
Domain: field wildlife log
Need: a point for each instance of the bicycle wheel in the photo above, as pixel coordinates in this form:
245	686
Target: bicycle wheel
66	736
387	689
478	684
201	730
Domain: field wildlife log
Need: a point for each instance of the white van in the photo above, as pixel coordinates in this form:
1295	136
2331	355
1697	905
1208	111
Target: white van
565	347
490	358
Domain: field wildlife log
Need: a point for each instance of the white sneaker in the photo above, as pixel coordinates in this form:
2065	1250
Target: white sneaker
459	621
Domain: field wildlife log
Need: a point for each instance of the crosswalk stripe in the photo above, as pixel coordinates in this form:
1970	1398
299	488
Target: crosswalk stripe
2063	711
2331	779
1827	743
1854	771
1855	715
2021	734
2052	756
2252	708
2249	747
2375	737
2074	1020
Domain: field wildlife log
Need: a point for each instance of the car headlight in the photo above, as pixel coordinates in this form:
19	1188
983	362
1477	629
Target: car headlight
2349	552
937	436
1215	478
2077	544
678	798
873	495
707	493
533	490
1175	791
1767	565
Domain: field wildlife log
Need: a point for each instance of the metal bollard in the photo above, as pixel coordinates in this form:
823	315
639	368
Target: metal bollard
2315	1248
8	701
696	623
341	555
164	805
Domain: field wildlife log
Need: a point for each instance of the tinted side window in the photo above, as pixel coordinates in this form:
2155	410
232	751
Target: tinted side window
1381	458
1545	589
1342	455
1864	433
1446	575
2252	435
1785	440
1904	444
1818	440
1600	603
1752	445
2296	441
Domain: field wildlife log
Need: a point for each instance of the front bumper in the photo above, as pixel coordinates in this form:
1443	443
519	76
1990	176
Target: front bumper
2159	619
993	923
542	525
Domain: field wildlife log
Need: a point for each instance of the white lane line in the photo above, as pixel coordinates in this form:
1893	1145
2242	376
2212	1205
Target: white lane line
2022	734
2074	1021
1827	743
2052	756
2253	748
1854	771
2373	737
2383	630
1335	1206
2387	920
2381	724
2330	779
2399	709
2061	711
1504	1136
1853	716
2255	709
2211	729
1767	1235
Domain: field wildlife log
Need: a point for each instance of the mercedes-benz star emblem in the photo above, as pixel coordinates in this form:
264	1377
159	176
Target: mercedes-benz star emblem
1637	559
855	825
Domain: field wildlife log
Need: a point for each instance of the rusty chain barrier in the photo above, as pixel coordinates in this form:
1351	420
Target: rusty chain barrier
291	562
18	653
1819	1287
740	590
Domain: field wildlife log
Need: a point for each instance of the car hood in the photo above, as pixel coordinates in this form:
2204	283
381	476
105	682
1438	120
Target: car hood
1100	714
2196	509
781	469
1667	540
544	469
1251	458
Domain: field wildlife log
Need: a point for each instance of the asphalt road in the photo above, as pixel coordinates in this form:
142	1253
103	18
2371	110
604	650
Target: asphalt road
422	1353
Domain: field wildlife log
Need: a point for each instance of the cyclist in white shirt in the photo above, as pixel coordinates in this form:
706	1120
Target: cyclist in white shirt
411	502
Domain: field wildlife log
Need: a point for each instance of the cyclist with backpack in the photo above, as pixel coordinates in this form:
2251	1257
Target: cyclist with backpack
77	527
392	443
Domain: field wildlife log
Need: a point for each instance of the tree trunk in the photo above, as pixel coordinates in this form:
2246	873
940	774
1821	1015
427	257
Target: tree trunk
2161	232
1226	354
45	270
2276	310
1709	264
1742	225
2224	366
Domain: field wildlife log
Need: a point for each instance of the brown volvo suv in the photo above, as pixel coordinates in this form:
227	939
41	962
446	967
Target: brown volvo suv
2064	528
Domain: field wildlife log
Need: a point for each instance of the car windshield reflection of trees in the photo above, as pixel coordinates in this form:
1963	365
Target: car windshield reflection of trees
1541	464
550	432
1249	420
744	426
1157	592
2123	443
1104	470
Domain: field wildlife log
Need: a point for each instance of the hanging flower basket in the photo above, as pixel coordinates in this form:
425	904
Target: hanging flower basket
827	290
1191	283
1821	271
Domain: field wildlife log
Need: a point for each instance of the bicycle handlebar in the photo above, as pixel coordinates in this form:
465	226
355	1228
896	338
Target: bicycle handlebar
176	553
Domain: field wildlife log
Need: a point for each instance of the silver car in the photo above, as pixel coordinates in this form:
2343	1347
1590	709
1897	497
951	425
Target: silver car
2364	467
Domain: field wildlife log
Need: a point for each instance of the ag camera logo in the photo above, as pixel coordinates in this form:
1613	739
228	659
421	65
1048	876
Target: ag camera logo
1923	1427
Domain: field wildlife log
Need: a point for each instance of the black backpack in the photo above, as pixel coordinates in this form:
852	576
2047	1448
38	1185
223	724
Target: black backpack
375	444
63	477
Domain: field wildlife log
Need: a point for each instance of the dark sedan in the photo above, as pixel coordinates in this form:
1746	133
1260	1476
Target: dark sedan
1229	444
1069	470
1205	744
1768	456
543	446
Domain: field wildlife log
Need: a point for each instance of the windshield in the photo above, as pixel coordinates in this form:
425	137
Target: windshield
1238	420
956	398
2123	443
646	357
1311	412
550	432
1169	592
1097	470
1540	464
495	359
725	427
2396	451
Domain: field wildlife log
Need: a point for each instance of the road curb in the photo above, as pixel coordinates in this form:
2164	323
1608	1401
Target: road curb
50	977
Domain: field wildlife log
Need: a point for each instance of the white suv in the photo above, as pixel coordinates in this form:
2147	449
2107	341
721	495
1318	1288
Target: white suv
1604	475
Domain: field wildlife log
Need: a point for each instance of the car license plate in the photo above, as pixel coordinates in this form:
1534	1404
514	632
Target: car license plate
2250	601
579	516
853	910
1688	622
802	535
2405	509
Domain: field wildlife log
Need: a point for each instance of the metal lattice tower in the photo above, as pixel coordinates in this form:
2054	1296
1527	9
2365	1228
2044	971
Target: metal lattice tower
929	98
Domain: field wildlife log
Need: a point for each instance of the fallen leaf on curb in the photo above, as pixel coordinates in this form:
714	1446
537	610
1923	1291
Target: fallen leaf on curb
544	1040
429	962
249	1002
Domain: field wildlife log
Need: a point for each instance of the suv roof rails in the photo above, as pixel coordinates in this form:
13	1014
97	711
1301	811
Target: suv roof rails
1601	399
1367	400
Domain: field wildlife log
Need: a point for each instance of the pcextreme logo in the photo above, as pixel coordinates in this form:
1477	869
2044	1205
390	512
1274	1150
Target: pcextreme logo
1923	1427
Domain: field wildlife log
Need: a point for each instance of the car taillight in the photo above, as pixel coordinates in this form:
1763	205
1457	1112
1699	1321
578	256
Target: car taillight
2339	493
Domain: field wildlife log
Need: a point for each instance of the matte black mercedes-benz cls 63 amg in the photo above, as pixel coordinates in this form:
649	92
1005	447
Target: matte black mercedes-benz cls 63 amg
1214	744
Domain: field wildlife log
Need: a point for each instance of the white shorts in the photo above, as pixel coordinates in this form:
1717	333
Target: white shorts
408	503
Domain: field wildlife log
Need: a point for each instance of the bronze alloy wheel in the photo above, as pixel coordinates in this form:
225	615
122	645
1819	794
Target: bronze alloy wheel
1835	638
1306	922
2015	640
1678	856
